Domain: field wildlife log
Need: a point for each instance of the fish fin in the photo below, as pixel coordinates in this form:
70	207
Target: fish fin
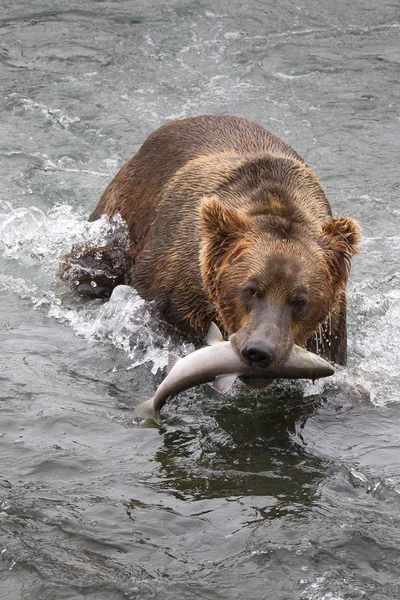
223	383
145	410
173	358
214	335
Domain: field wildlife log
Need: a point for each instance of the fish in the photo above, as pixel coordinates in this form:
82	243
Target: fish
220	363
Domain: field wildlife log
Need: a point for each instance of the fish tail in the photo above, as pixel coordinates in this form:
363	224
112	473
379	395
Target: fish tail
145	410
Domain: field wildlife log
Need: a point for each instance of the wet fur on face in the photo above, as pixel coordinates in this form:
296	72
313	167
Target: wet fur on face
273	278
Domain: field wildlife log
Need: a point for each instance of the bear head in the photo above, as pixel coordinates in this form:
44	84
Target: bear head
273	278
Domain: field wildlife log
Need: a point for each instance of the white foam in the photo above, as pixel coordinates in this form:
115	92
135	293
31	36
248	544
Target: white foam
54	115
374	344
29	235
315	590
31	238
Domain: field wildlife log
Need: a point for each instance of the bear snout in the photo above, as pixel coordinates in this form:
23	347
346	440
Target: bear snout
259	352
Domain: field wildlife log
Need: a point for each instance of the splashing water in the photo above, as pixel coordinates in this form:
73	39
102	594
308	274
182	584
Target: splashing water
31	239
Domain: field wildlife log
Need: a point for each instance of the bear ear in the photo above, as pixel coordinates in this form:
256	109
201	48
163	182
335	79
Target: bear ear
223	232
221	224
340	241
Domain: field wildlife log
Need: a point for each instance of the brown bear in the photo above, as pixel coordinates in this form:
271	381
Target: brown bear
228	224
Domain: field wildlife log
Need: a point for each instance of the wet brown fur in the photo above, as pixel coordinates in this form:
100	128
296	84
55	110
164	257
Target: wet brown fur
215	202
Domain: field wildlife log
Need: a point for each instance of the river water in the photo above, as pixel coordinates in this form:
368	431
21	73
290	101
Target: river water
291	494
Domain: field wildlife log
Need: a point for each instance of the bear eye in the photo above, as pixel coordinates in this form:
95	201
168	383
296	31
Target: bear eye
299	304
252	291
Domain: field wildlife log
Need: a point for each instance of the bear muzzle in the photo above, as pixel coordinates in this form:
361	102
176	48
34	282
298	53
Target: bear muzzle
259	352
265	339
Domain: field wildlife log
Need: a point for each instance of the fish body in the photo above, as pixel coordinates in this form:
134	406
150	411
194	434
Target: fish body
220	363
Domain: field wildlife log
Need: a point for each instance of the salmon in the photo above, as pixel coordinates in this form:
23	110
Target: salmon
220	363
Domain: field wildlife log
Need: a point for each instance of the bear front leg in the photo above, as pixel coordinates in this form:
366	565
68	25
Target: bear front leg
94	272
